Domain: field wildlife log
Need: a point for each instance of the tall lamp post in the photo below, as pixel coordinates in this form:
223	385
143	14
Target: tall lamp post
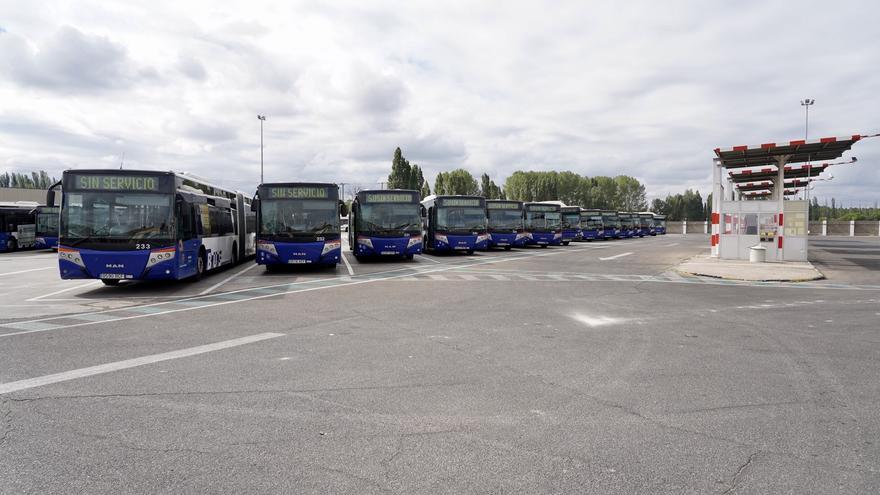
807	103
262	119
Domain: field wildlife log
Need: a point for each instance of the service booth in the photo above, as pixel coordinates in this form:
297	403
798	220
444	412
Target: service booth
750	187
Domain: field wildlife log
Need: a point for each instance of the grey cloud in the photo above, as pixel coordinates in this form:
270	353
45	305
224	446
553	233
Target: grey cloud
191	67
70	61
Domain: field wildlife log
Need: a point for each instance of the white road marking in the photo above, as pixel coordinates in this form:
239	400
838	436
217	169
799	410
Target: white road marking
596	321
88	284
40	381
25	271
621	255
670	245
227	279
347	265
428	258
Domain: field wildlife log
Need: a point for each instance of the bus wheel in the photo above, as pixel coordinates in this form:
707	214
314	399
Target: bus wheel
110	282
234	255
409	256
11	245
470	252
201	263
544	246
271	268
507	248
565	243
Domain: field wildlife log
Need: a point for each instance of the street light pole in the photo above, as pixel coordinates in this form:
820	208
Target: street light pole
262	119
807	103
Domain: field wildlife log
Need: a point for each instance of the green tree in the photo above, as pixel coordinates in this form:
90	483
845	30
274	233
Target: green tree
401	172
34	180
630	194
456	182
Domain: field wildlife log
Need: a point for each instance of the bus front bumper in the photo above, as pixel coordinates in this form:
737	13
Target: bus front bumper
157	264
450	242
299	253
506	240
388	246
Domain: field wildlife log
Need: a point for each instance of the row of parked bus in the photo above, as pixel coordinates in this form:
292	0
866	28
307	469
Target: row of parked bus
25	225
117	225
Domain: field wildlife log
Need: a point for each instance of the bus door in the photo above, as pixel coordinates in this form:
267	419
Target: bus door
188	241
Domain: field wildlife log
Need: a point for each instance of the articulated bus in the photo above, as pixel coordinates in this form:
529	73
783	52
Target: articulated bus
145	225
47	227
543	224
659	224
505	223
17	225
386	223
646	223
298	223
571	224
592	226
455	223
611	226
627	225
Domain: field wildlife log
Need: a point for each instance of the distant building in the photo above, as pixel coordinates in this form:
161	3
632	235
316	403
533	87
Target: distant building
12	194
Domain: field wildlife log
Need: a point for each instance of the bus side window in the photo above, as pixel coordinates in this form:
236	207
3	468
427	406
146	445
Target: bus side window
185	227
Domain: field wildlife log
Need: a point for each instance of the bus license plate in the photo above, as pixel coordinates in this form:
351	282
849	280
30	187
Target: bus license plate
297	262
388	252
502	243
542	242
112	276
461	247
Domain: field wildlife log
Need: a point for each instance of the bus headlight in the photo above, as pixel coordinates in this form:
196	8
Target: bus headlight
159	255
331	245
557	235
482	238
71	255
524	235
365	241
441	238
414	240
267	247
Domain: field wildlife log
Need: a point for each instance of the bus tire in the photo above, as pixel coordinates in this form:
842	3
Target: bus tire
201	264
470	252
234	254
507	248
565	243
544	246
409	256
109	282
271	268
11	244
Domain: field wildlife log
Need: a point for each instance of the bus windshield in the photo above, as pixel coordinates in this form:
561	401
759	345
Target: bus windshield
379	217
571	219
460	218
505	219
543	219
594	222
47	222
282	217
116	215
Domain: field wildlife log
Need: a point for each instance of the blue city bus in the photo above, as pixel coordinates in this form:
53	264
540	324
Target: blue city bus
17	225
298	224
505	223
627	225
612	228
571	224
659	224
145	225
455	223
646	223
385	223
543	224
47	227
592	226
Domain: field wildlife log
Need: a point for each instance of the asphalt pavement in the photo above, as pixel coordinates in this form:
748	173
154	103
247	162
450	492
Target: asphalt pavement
592	368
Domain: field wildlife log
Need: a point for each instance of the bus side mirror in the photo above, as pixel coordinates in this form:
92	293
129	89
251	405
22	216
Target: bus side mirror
343	209
255	205
50	197
423	211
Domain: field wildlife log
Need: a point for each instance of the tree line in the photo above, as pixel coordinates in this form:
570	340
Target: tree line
34	180
836	212
686	206
622	192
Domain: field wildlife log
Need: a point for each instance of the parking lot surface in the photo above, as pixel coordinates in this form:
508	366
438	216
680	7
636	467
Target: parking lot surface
592	368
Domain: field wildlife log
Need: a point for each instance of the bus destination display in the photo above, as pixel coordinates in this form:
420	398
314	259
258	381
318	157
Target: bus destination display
390	198
116	182
543	208
302	192
502	206
461	202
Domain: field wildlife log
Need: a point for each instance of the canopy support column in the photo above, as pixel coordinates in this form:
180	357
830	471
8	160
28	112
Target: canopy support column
779	195
717	201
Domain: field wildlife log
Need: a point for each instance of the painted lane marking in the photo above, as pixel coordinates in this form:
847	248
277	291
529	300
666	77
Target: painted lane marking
25	271
428	258
40	381
227	279
347	265
38	298
621	255
199	302
670	245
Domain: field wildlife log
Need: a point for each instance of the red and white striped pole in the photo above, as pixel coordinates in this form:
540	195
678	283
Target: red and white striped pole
717	201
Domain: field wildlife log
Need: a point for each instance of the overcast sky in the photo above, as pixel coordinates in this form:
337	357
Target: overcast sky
644	89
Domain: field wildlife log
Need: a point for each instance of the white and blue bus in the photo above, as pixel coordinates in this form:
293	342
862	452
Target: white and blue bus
572	230
455	223
47	227
145	225
385	223
505	223
592	226
611	226
627	225
543	224
17	225
298	224
659	224
646	224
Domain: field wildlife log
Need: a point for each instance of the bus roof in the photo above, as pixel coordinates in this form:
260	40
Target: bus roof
571	209
277	184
